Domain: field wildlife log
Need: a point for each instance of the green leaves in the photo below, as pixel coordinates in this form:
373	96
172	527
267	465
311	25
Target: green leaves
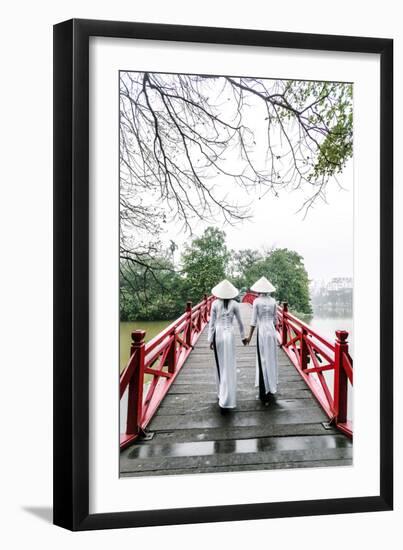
335	150
205	263
284	268
152	291
162	294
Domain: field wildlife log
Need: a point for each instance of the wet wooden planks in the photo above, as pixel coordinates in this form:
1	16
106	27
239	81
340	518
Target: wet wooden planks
191	436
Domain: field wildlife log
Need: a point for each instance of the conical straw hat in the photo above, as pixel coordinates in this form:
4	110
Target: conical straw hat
225	290
263	285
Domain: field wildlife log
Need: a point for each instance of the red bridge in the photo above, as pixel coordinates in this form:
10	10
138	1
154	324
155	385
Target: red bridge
171	422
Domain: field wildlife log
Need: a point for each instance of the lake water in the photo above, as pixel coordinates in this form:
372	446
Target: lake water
326	324
152	328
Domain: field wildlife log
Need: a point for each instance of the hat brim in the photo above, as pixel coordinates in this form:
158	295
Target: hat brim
263	288
225	291
225	295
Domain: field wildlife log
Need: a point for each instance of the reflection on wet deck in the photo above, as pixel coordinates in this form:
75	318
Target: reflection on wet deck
190	435
255	445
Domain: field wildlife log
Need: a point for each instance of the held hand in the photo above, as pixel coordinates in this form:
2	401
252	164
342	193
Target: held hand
211	345
245	341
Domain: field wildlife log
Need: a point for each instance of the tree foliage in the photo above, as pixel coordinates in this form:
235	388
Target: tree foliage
242	261
180	133
285	269
205	263
206	260
148	297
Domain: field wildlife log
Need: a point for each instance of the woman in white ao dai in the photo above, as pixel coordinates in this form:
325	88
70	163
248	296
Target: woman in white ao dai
222	340
264	318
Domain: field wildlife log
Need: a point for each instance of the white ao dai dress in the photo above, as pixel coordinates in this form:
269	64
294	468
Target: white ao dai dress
221	334
264	318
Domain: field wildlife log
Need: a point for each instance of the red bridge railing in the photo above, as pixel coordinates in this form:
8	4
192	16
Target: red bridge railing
312	355
162	358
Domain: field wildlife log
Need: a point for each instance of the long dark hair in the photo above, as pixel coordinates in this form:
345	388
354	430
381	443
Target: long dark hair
226	302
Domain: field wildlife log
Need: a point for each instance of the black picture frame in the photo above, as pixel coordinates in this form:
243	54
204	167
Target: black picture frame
71	274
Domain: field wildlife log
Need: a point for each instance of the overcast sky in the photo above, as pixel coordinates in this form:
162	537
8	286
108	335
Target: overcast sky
324	237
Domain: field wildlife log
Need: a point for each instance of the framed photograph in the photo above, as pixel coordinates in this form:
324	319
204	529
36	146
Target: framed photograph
222	266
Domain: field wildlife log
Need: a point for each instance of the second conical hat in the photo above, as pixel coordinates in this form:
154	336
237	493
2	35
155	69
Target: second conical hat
225	290
263	285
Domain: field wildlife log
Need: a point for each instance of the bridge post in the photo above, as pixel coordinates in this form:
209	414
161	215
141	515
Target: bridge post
205	308
200	317
340	377
284	325
189	329
304	350
209	302
171	357
135	389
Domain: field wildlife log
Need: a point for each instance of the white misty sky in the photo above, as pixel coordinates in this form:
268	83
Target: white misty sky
324	237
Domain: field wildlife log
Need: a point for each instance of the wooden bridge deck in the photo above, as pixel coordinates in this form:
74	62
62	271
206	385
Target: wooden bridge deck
191	436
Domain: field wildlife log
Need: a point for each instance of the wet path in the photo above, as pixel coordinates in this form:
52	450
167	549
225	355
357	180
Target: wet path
191	436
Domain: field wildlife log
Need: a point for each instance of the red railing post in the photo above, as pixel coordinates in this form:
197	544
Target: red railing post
199	318
171	357
340	377
189	328
135	389
304	350
205	308
284	325
209	302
